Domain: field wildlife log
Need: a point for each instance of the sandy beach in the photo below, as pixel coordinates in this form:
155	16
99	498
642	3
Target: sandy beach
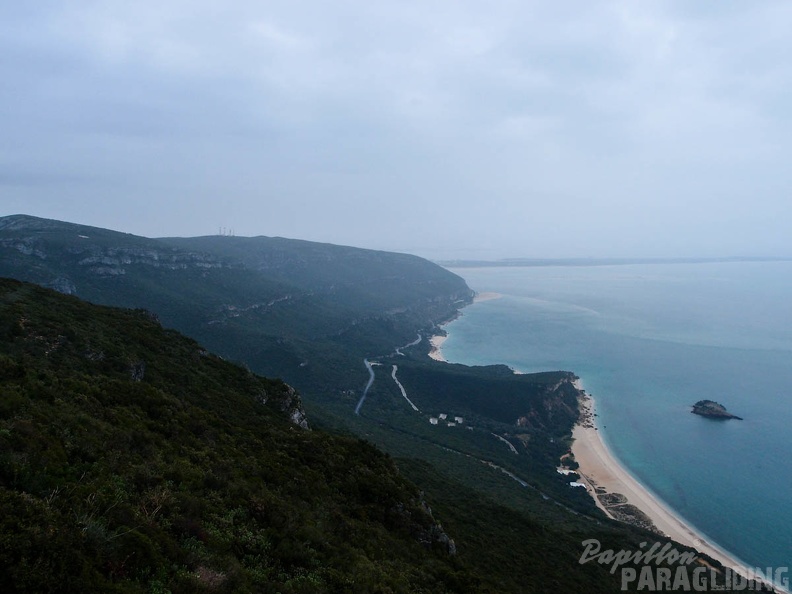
486	296
437	342
600	469
615	491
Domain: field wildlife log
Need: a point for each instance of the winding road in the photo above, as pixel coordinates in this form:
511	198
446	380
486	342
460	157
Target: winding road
507	442
413	343
403	391
369	366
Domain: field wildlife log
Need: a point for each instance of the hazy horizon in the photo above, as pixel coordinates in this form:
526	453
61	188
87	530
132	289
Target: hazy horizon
451	130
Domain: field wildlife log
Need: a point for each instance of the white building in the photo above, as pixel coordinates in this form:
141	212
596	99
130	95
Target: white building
443	416
459	420
433	420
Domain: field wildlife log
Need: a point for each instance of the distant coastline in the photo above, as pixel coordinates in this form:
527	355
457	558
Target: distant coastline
528	262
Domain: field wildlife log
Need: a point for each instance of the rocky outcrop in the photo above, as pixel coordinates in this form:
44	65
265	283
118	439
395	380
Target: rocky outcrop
298	417
423	526
712	410
27	246
288	402
62	285
557	405
438	536
110	261
105	254
137	371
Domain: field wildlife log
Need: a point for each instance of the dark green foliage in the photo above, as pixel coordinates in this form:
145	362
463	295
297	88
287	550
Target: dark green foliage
303	311
495	392
133	460
184	479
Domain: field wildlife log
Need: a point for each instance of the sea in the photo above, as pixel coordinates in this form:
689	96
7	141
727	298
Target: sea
648	341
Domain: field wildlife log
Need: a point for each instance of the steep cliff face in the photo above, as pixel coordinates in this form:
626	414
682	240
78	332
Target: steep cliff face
110	261
557	406
61	254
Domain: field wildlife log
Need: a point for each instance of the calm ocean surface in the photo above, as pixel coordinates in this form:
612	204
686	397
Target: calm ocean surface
648	341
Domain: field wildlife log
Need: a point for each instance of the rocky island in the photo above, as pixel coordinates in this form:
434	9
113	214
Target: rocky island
713	410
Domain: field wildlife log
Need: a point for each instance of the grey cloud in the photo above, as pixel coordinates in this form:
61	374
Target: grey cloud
516	129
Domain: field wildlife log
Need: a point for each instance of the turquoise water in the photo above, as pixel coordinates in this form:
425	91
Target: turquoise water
648	341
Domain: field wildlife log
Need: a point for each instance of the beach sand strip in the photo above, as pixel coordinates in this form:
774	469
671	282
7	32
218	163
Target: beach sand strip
613	487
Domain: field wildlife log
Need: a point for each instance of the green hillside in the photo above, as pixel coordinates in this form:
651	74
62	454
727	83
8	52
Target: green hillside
303	311
310	314
132	460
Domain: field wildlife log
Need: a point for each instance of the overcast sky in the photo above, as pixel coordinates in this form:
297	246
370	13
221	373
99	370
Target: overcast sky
447	129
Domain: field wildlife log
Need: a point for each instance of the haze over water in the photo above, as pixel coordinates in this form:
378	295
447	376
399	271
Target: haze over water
649	341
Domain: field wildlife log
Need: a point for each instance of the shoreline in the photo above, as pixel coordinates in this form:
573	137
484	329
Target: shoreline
436	341
603	474
601	471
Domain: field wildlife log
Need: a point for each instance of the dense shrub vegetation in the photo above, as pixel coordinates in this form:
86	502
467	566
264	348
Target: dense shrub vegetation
133	460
